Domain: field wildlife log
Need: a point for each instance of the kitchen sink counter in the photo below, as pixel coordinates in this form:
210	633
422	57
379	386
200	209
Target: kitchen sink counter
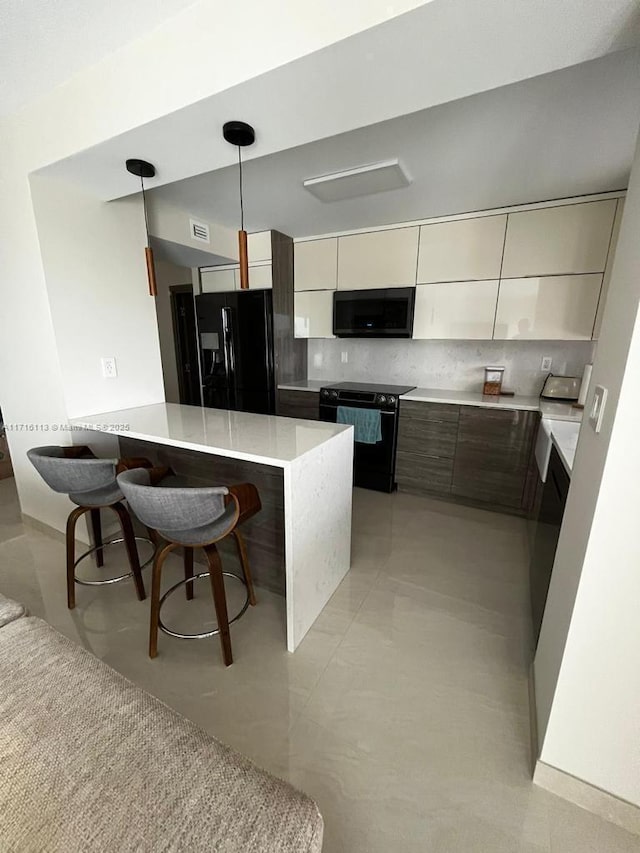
560	411
564	436
302	469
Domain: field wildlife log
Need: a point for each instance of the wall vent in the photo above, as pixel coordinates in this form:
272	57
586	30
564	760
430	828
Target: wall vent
199	231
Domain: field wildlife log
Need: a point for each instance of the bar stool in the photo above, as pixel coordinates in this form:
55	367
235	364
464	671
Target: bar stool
192	518
91	484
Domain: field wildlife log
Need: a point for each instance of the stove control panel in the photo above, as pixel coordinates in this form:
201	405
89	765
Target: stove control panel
333	397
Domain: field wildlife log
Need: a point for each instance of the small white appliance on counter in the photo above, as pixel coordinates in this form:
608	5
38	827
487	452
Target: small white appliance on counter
560	388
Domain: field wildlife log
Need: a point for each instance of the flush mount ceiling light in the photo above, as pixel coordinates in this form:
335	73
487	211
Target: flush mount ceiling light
241	134
142	170
361	180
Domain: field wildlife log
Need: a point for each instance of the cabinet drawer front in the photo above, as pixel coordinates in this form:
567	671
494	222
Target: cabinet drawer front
299	404
496	439
431	438
443	412
424	473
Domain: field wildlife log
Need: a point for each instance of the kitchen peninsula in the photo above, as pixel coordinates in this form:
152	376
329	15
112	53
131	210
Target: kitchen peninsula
300	544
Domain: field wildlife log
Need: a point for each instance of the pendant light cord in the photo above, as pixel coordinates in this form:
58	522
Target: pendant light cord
144	207
241	196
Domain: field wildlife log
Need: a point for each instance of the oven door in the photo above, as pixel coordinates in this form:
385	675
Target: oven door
373	464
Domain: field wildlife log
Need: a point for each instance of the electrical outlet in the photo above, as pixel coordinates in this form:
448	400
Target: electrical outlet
344	357
547	361
109	369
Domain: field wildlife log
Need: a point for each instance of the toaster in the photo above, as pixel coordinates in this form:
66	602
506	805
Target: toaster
560	388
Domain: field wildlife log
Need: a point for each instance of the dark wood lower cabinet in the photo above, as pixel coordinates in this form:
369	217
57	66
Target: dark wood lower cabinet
299	404
468	454
492	455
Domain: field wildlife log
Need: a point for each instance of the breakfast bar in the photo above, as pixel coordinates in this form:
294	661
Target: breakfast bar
301	543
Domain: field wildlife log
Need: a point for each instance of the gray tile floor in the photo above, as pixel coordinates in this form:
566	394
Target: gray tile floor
404	712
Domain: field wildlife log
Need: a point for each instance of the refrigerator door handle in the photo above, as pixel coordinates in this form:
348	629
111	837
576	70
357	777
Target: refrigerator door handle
227	348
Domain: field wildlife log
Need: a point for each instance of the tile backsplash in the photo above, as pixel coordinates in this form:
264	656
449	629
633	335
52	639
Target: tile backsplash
454	365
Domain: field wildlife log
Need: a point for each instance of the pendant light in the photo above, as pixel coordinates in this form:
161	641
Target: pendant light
143	170
241	134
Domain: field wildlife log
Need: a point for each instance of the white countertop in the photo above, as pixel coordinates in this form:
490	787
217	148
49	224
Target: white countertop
556	411
564	436
560	412
255	438
471	398
305	385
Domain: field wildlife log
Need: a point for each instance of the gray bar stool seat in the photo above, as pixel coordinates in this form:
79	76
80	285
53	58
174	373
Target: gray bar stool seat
91	484
192	517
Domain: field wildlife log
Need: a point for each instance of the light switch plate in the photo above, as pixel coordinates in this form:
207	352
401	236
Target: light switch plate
109	369
598	403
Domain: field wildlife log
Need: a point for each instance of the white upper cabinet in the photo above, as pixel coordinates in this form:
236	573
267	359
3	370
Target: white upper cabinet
259	246
456	310
571	238
313	314
609	267
315	264
228	278
260	277
559	307
378	259
218	281
462	250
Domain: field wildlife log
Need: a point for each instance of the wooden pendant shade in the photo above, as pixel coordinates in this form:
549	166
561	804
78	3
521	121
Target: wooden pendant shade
240	134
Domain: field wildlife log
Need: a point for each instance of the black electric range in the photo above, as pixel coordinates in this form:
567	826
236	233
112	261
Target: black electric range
374	464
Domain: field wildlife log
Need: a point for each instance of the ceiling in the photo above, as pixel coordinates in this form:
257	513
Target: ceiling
437	53
43	43
568	133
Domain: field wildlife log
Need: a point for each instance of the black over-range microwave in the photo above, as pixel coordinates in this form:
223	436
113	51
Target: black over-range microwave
376	313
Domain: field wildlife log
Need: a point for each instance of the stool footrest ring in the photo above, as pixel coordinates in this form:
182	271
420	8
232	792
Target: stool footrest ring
203	634
105	545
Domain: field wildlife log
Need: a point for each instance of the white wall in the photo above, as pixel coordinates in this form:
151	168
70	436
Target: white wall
586	667
452	365
93	257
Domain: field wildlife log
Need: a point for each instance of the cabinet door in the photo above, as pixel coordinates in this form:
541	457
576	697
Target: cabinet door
463	250
378	259
559	307
260	277
218	281
570	238
313	310
299	404
609	267
315	264
492	455
259	246
455	310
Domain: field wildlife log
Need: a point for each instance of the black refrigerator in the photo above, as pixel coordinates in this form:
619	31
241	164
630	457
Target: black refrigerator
235	335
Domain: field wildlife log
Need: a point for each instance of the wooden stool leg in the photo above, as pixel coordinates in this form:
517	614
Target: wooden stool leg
156	578
188	571
97	536
130	545
244	562
220	601
74	515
